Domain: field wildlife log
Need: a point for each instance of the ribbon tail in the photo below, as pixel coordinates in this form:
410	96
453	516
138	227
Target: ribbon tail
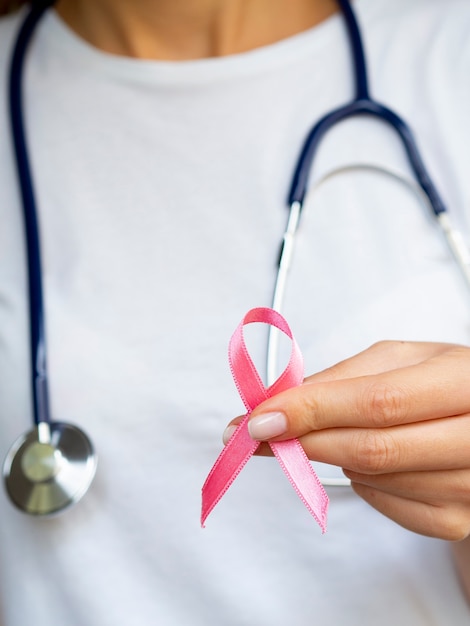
228	465
299	471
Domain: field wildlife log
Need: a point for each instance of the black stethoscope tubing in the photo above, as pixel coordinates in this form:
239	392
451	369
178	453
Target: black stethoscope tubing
40	391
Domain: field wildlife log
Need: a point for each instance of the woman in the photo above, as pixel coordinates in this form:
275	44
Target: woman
163	137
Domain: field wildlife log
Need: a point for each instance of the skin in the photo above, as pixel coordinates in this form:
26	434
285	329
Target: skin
189	29
397	416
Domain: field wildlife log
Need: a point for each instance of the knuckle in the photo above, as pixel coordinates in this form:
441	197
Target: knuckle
386	344
459	487
375	452
454	524
333	372
384	404
311	414
390	347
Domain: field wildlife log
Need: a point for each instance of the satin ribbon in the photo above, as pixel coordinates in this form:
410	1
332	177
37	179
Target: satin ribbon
241	446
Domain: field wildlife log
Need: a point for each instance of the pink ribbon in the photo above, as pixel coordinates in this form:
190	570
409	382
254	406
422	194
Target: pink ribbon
241	446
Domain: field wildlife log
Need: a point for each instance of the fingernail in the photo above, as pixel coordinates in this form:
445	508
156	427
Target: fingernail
267	426
228	432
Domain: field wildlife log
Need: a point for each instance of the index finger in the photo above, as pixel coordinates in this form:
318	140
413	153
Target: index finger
436	387
382	356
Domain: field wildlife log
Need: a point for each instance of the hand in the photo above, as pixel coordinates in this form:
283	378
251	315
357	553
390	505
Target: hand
396	418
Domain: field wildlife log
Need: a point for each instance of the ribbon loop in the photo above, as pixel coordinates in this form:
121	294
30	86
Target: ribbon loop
241	447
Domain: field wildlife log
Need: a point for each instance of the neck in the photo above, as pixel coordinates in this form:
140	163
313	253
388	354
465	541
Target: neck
189	29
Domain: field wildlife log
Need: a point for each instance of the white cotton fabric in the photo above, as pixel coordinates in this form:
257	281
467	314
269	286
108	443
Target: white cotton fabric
161	190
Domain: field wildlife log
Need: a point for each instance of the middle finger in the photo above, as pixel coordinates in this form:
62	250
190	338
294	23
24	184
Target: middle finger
424	446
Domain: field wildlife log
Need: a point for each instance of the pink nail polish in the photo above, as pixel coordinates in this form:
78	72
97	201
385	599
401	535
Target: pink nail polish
267	426
228	432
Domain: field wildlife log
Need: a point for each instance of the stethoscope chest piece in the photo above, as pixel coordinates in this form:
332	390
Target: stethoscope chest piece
49	468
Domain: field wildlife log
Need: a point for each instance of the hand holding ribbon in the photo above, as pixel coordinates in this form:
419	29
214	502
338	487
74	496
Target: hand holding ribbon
241	446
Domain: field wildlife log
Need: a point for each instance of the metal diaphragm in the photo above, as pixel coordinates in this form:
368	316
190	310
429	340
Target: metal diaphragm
42	475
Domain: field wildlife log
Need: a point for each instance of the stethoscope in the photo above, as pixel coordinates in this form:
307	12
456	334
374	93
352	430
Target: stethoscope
52	466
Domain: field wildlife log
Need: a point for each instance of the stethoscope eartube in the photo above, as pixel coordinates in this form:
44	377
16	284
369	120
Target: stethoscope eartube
50	467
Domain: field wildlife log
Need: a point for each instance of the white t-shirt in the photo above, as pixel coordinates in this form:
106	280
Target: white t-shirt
161	189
